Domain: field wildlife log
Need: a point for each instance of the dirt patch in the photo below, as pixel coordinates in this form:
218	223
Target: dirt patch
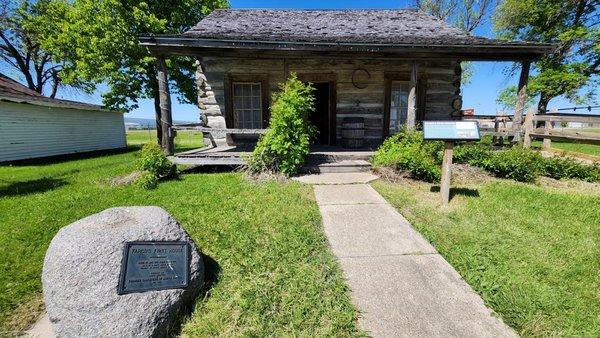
125	179
572	186
466	179
583	158
461	174
467	174
423	191
26	314
391	175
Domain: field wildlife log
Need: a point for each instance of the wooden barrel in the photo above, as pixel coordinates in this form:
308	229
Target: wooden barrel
353	132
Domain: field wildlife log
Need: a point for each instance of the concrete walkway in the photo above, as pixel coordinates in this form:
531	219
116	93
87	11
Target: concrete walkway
41	329
398	281
336	178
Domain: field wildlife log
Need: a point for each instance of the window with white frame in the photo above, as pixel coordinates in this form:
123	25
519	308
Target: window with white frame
398	105
247	105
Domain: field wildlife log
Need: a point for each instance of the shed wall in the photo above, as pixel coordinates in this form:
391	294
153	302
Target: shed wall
440	79
31	131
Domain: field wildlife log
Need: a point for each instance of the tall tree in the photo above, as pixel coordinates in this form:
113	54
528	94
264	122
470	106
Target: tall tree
100	37
464	14
571	24
507	98
21	25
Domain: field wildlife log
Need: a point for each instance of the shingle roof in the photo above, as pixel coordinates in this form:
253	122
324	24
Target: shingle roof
11	90
401	26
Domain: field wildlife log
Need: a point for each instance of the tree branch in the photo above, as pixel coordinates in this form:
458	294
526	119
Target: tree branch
20	61
55	84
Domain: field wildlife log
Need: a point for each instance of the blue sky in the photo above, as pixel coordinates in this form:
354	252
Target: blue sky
488	79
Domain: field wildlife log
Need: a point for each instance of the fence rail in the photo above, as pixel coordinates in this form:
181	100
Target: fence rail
548	133
496	126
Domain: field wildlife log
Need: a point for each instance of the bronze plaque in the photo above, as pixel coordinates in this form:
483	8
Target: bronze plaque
154	266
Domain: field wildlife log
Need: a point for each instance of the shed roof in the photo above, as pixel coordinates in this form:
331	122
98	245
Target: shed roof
11	90
391	33
387	26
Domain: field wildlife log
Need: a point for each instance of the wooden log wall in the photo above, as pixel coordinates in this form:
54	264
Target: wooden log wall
368	102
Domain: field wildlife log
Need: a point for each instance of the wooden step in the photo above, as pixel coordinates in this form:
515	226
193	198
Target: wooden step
317	157
209	160
344	166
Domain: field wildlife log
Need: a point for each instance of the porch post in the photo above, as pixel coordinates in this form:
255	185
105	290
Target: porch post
165	106
521	95
411	114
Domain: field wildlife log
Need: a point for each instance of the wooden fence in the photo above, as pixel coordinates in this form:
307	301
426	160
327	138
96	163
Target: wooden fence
548	132
499	126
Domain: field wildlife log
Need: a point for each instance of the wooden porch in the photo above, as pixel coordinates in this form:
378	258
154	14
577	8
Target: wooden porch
321	158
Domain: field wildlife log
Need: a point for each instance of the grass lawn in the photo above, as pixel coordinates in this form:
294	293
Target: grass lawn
532	252
185	140
274	272
589	149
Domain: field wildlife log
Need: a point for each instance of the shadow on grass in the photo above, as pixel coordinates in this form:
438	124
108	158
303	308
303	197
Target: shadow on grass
70	157
458	191
31	187
210	169
212	270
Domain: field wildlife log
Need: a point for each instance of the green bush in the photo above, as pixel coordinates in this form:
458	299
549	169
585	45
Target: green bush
517	163
147	180
286	144
472	153
154	165
564	168
153	160
406	150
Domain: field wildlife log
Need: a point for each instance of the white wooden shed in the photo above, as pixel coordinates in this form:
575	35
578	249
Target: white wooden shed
34	126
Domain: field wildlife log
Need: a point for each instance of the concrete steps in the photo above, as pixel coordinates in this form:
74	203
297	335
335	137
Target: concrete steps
337	163
346	166
320	160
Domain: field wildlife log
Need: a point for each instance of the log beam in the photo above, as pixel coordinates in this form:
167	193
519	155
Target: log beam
521	94
411	115
528	128
164	96
547	143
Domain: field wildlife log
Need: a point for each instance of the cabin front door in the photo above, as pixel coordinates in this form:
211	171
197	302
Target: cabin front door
320	117
324	116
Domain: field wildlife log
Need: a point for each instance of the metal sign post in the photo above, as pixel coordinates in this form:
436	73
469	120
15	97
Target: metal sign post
449	132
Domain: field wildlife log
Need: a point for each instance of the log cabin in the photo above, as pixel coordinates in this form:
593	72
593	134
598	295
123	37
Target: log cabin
387	67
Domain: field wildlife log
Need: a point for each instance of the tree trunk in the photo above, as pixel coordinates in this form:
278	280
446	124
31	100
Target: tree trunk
543	103
154	89
542	107
55	84
165	105
157	115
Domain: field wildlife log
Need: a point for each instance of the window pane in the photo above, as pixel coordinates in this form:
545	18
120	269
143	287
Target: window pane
246	105
237	101
398	105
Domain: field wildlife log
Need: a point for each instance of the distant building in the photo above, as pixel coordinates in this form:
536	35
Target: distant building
32	125
579	125
133	126
468	112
